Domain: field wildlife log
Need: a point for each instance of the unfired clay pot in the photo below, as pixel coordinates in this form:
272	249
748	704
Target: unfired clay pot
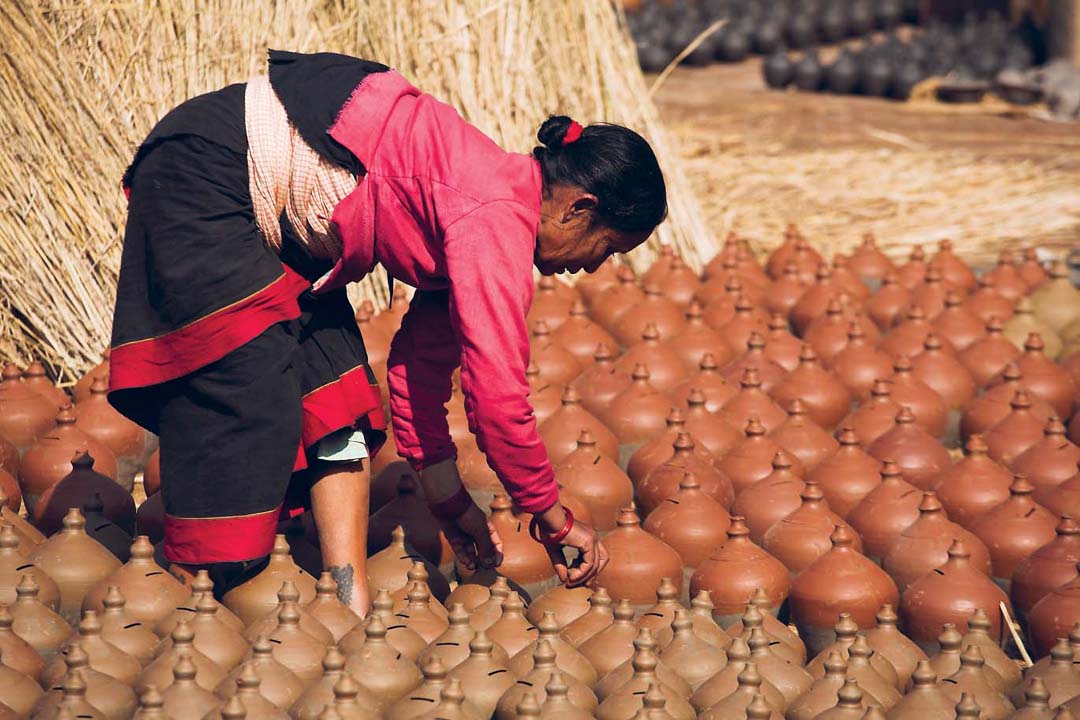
16	653
483	678
15	564
125	632
150	591
1015	529
159	673
892	645
949	594
544	668
127	441
75	561
978	634
841	580
847	475
637	562
735	570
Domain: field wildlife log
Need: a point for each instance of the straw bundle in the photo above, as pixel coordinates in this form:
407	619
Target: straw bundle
83	82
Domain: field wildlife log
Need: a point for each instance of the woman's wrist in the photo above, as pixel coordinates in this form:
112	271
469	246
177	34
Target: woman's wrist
552	520
440	481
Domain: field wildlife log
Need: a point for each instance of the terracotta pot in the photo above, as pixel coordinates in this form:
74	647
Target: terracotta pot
151	593
76	488
920	457
601	383
987	357
1054	616
780	345
753	402
815	301
380	668
1036	702
841	580
561	431
663	482
638	561
75	561
644	671
409	510
50	459
25	415
924	545
786	291
802	536
698	338
278	684
104	530
978	635
848	279
1049	462
804	438
27	537
538	678
790	679
1024	324
125	632
81	390
1048	568
725	682
784	641
795	248
974	485
596	480
893	646
1005	278
1016	432
969	682
1058	674
127	441
566	604
712	430
1015	529
929	409
929	294
512	631
708	381
949	595
1055	301
823	693
769	373
925	699
885	307
735	570
946	660
847	475
995	404
943	373
398	634
579	335
43	629
828	334
567	658
692	522
747	320
201	586
1032	271
556	364
1042	377
451	647
719	298
860	364
544	396
954	271
14	564
825	397
35	378
106	695
752	460
525	561
653	309
771	499
612	646
747	694
102	655
434	691
483	678
159	673
1065	498
329	610
987	303
9	471
666	368
598	617
548	305
875	416
591	285
867	261
958	323
909	336
694	659
17	654
636	415
885	511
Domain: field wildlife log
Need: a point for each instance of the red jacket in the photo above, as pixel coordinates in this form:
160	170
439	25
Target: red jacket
446	210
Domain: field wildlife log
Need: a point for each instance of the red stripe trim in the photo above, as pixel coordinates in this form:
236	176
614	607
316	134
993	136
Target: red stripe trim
340	404
156	360
198	541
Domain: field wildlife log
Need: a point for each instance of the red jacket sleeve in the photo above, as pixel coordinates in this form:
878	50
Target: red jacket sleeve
489	255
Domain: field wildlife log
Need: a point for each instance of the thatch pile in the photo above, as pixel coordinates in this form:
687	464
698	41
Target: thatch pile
81	83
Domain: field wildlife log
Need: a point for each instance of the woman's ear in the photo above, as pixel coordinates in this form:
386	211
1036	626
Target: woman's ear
583	204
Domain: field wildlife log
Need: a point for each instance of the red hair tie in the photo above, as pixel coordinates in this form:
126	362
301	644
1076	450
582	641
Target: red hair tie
572	133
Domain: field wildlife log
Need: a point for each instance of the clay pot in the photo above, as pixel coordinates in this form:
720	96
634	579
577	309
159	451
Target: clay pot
35	378
692	522
719	298
943	373
15	564
543	672
644	671
662	483
803	535
389	568
1036	704
598	617
823	693
201	586
661	449
1056	300
483	678
653	309
75	562
973	486
752	460
987	303
19	692
680	284
958	323
43	629
1024	323
591	285
398	634
579	335
1057	673
159	673
709	382
735	570
1032	271
27	537
637	562
666	368
747	694
127	441
409	510
769	373
567	658
867	261
255	704
512	631
1053	616
848	475
125	632
859	364
50	458
15	653
781	347
978	635
786	291
215	638
928	407
925	699
995	404
804	438
598	385
567	605
970	682
1041	377
379	668
636	415
692	658
556	364
1005	278
9	472
596	480
841	580
875	416
826	399
782	639
1048	568
815	301
417	589
850	646
105	531
1015	529
893	646
885	511
548	305
748	320
545	397
1049	462
924	545
771	499
561	431
752	402
909	336
725	682
920	457
102	655
948	595
524	560
25	415
1016	432
432	692
828	334
78	487
790	679
612	646
451	647
698	339
987	357
1064	499
929	294
795	248
885	307
151	593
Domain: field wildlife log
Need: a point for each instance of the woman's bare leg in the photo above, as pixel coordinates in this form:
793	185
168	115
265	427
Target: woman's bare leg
339	502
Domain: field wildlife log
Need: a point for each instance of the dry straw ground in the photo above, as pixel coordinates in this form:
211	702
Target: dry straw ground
83	81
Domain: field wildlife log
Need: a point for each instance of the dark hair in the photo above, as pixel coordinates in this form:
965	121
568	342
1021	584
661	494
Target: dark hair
613	163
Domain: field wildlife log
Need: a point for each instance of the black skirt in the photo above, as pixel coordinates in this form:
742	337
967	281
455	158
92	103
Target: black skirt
218	344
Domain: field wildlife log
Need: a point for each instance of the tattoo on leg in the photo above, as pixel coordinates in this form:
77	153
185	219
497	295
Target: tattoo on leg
343	576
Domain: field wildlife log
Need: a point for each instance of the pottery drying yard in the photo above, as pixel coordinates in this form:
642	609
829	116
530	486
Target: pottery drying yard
827	423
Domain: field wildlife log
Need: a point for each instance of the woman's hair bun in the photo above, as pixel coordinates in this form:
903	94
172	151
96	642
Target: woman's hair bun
552	132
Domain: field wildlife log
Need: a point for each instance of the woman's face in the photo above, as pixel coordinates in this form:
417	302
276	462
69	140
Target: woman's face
570	240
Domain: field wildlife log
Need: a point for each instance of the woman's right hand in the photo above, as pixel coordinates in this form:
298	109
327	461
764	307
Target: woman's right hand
474	540
592	555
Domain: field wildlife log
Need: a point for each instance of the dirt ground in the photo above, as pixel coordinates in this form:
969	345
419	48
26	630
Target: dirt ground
915	172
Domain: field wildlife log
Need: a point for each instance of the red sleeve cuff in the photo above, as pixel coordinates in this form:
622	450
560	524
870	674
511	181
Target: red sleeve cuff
536	501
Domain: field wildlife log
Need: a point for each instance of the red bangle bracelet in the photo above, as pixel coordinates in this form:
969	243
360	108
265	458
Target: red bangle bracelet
452	506
557	538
